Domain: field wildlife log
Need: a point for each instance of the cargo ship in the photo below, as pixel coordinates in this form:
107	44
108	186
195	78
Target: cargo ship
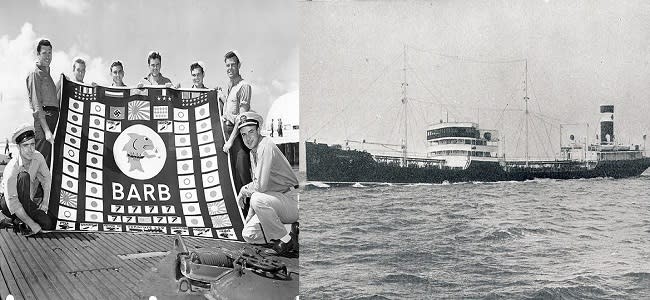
463	152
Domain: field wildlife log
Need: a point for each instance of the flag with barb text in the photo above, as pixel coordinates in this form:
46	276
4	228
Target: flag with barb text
142	160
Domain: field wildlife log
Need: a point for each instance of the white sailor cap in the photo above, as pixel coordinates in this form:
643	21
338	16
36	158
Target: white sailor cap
22	133
232	52
249	118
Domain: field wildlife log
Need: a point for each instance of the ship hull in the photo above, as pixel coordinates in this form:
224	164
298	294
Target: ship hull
328	164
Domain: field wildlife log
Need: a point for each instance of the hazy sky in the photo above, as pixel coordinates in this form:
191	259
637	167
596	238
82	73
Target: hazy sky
264	33
580	54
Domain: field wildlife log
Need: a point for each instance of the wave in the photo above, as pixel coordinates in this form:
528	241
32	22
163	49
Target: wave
318	184
358	185
404	278
570	292
638	275
512	232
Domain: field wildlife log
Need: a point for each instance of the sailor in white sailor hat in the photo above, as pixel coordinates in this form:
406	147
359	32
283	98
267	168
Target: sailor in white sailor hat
20	180
273	200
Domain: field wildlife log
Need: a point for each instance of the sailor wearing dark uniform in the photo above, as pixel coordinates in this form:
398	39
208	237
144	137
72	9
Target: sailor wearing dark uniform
20	180
273	201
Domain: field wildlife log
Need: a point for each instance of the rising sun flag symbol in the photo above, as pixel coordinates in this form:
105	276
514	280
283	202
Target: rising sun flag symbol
139	110
68	199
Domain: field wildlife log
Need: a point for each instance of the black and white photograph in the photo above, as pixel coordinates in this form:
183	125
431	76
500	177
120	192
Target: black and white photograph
475	149
150	150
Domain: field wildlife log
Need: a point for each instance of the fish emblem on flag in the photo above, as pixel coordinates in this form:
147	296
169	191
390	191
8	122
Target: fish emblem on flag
136	149
128	163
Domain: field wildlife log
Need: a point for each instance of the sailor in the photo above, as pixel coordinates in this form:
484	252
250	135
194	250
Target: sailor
154	60
79	71
117	73
43	99
235	102
273	201
20	179
196	70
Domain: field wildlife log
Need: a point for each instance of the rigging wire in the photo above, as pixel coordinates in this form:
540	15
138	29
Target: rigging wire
431	93
467	59
346	106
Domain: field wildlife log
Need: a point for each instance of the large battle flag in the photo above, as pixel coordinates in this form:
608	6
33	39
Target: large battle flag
142	160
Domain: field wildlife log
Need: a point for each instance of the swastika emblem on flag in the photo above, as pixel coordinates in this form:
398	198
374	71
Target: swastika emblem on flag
125	165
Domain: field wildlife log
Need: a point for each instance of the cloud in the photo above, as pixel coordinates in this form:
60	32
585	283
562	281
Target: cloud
73	6
17	56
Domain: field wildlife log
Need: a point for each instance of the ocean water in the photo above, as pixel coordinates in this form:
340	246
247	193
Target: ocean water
540	239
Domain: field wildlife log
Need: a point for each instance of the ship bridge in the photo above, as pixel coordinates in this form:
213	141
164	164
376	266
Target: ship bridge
458	143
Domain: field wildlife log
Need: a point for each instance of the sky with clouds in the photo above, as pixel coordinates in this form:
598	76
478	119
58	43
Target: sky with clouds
465	60
264	34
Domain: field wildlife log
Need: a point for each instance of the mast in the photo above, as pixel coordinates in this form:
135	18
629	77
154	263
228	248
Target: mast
404	102
526	100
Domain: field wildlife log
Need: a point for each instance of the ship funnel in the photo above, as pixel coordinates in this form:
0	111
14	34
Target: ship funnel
606	124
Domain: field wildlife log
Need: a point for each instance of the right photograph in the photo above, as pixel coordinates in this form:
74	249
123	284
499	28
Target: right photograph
465	149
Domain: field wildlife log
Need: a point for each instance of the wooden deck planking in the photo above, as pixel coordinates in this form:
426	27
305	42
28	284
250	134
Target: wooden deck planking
85	265
70	248
53	283
7	272
17	273
78	288
126	270
86	253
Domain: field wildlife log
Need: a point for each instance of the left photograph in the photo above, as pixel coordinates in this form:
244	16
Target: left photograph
150	150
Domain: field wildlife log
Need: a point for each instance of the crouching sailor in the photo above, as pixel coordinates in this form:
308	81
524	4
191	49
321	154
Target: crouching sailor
273	201
21	177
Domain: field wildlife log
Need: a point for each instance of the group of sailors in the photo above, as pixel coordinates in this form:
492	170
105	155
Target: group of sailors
263	178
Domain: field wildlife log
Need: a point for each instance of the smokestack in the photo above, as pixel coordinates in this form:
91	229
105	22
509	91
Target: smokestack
607	124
